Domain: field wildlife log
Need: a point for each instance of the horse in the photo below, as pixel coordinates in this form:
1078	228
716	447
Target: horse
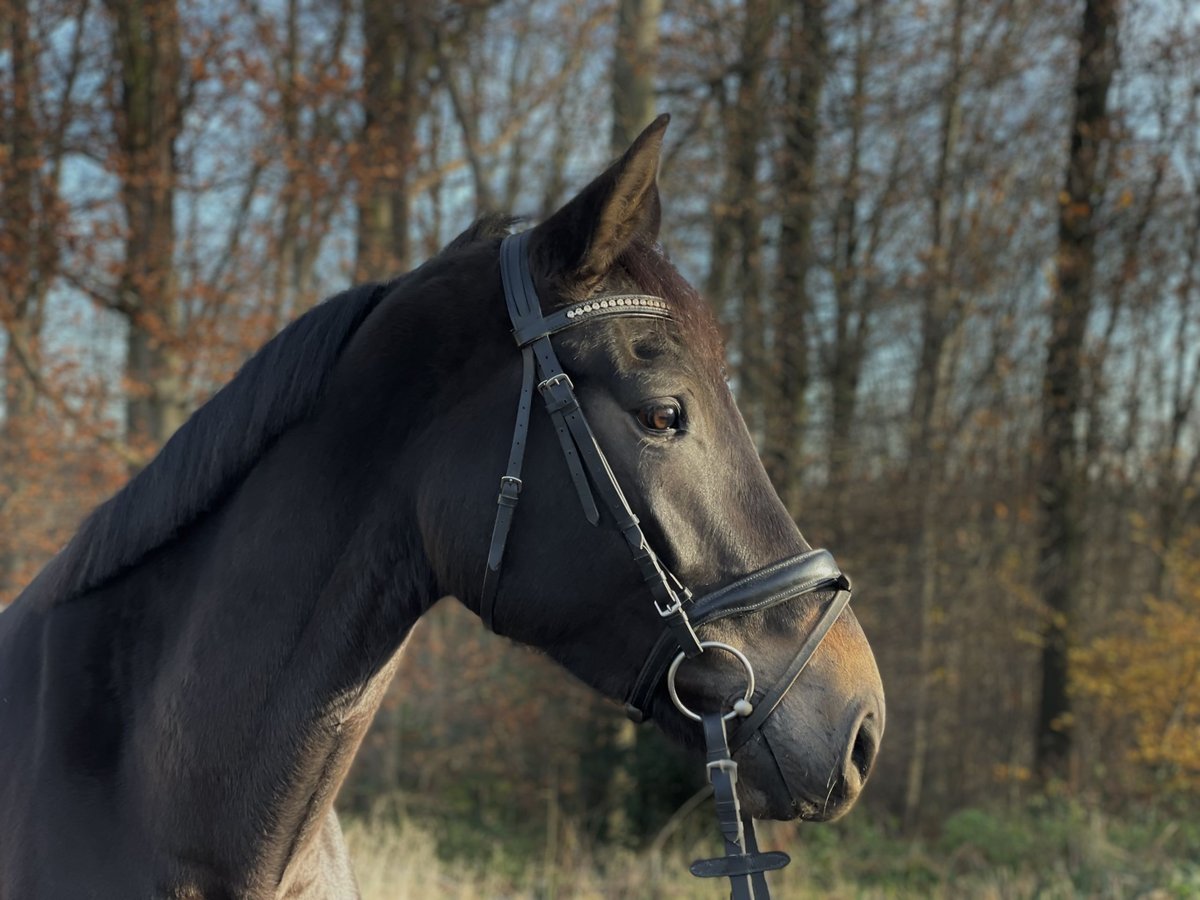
185	685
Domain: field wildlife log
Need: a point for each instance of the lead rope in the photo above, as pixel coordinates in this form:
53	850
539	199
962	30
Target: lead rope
743	864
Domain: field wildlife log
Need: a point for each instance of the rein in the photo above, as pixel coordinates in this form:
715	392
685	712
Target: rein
680	611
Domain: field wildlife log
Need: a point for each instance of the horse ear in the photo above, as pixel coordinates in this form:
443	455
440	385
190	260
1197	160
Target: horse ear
584	238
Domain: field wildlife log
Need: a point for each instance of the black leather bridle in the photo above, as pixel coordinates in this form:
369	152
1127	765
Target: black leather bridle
591	474
681	613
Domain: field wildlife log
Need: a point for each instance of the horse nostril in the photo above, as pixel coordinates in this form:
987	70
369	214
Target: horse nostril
862	751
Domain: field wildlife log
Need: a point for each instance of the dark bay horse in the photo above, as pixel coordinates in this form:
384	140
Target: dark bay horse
183	688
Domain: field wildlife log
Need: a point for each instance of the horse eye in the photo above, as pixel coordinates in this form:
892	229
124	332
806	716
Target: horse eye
661	417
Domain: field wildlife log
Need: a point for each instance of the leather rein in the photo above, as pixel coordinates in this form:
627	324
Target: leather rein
680	611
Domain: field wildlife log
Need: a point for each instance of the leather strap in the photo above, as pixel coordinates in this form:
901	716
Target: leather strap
743	864
607	307
758	878
510	493
561	406
722	773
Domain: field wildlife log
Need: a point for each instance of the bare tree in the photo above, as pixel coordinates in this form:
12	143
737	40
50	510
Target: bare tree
148	56
634	68
398	56
24	248
940	320
1060	479
796	174
747	133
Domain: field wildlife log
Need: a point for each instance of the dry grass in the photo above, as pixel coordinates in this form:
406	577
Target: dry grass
397	860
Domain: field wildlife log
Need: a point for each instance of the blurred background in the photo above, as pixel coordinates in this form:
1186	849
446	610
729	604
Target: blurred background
955	246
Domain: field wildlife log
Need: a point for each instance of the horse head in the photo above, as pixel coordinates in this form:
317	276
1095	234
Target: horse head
643	478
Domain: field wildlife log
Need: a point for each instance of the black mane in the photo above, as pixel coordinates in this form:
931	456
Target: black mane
217	446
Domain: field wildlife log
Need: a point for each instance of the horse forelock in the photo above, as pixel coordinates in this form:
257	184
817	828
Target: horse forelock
654	273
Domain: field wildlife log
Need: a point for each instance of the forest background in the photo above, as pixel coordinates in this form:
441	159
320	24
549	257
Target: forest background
955	245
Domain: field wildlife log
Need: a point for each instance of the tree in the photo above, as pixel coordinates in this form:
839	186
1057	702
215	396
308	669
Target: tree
35	116
1061	476
805	64
634	67
148	118
747	131
398	55
27	248
932	380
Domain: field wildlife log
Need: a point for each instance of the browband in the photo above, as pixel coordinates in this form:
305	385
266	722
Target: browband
609	306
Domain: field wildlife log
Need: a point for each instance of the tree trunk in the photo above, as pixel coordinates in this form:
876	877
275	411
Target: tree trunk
851	317
634	68
398	55
1179	466
927	437
148	121
1060	488
745	142
285	288
23	281
787	417
15	434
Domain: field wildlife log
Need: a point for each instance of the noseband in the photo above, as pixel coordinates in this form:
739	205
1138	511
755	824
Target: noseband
780	582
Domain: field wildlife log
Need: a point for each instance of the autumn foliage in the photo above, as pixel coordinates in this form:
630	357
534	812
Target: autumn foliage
1143	680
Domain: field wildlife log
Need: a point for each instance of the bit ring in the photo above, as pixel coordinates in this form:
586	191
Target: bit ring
740	708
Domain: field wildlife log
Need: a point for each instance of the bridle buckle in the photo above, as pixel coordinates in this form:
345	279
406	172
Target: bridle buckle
559	393
510	489
723	765
555	380
670	609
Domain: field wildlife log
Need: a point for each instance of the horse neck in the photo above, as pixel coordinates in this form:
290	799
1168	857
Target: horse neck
265	635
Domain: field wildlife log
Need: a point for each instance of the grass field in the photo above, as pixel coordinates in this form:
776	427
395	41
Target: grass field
1068	853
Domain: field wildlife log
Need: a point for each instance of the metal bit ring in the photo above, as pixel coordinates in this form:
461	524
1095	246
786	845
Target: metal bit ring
740	708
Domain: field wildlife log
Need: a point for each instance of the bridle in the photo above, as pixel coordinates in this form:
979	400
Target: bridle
682	614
